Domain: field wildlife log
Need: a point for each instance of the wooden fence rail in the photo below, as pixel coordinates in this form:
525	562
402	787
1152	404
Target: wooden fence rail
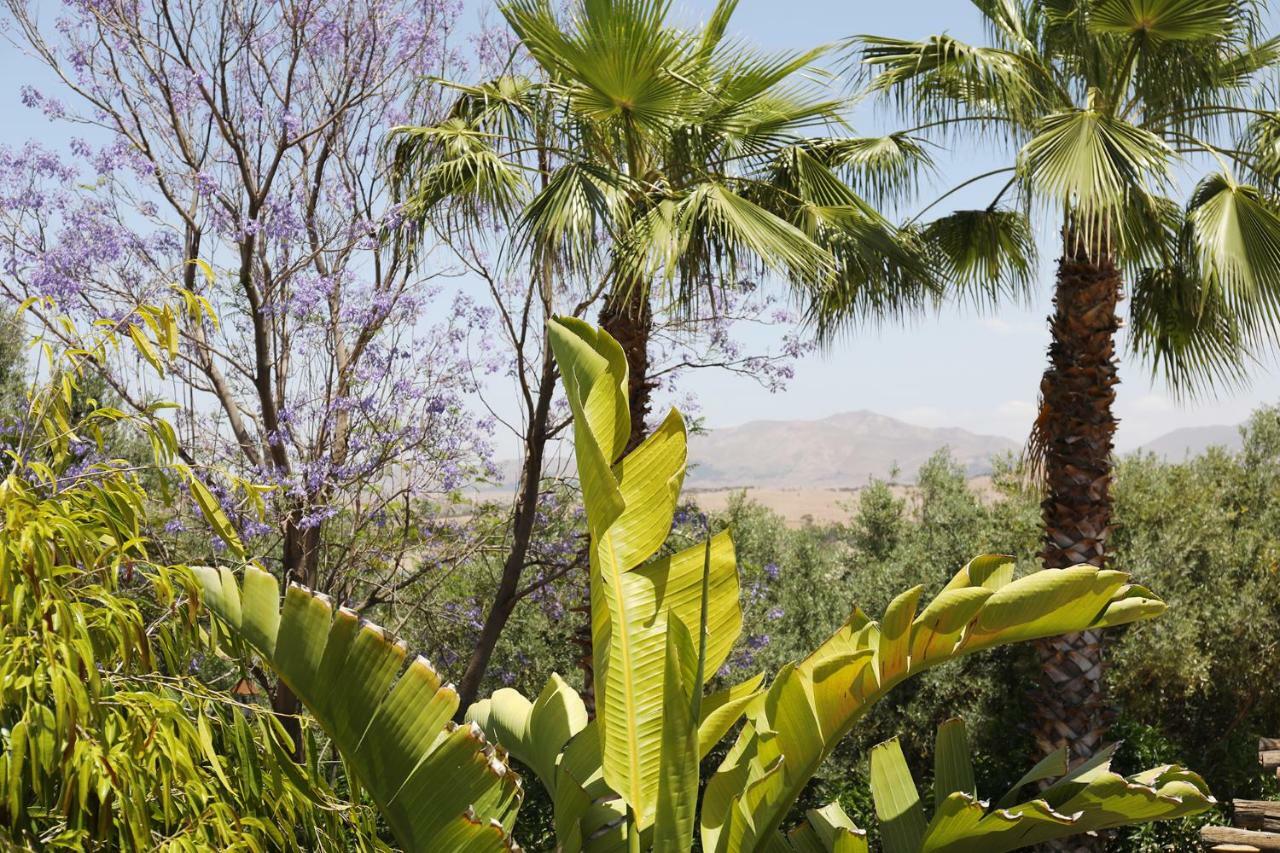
1257	822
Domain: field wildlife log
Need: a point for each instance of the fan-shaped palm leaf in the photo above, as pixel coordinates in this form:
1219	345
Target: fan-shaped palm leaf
1171	20
942	78
986	254
619	58
453	163
1094	165
564	221
1236	238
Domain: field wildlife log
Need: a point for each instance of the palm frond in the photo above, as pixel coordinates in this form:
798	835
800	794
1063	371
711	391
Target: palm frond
1185	332
1007	23
879	168
711	228
580	204
1261	148
1093	165
800	180
716	26
505	107
750	130
740	76
942	78
620	60
452	169
1235	237
987	255
882	274
1163	20
1239	66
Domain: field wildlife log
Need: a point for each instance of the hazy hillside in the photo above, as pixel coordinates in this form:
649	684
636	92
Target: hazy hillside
1192	441
842	451
813	470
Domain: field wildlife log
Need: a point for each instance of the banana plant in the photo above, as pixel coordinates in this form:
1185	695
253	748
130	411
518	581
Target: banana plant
440	786
662	624
1091	797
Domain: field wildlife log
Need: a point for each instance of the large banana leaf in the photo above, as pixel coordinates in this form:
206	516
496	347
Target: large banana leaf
660	626
440	786
828	830
1089	798
810	706
636	600
551	735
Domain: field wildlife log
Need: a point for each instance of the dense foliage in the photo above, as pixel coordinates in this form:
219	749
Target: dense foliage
663	624
336	319
119	729
1193	684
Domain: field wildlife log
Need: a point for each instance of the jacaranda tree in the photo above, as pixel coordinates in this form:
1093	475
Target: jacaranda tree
1100	105
662	624
235	149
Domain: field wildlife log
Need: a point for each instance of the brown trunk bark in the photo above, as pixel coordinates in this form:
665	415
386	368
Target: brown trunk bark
1077	428
284	703
628	316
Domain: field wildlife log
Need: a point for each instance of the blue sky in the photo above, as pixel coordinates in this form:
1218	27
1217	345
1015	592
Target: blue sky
962	368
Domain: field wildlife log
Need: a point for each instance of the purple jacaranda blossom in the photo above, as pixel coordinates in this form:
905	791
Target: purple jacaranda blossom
373	389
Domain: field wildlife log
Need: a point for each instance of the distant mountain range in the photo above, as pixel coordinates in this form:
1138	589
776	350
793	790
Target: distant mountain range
842	451
846	451
1192	441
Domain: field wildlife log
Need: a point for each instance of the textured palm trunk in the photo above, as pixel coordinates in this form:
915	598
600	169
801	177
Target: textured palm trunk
628	316
1077	428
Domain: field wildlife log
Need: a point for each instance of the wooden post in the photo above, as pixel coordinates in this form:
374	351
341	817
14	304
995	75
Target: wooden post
1262	815
1257	822
1244	839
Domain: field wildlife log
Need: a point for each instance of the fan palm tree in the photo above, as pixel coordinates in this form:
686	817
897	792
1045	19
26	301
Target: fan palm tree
1102	105
673	161
655	161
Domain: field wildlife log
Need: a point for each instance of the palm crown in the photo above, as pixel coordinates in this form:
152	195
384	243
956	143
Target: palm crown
639	153
1105	104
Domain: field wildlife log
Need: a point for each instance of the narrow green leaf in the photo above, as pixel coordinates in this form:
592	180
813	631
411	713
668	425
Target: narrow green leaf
952	770
896	799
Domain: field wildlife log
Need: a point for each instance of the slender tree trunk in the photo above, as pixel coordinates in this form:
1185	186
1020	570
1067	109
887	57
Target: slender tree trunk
1077	428
284	703
526	510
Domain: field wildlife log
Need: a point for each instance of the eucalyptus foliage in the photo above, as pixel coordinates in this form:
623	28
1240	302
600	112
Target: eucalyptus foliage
107	739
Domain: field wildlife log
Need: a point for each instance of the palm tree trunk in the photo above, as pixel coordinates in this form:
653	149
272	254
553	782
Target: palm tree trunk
628	316
1076	430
